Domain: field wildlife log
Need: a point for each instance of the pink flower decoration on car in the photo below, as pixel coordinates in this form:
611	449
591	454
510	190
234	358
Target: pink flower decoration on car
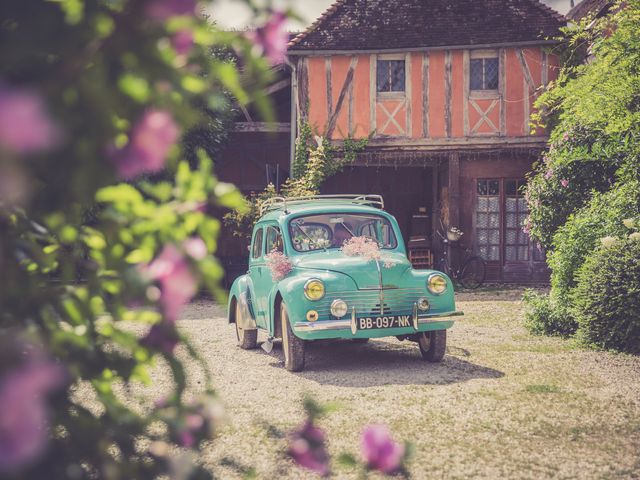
23	412
25	126
564	183
162	10
150	142
272	37
177	282
308	449
362	247
182	41
379	451
279	265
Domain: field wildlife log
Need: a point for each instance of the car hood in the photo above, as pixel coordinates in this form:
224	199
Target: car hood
364	272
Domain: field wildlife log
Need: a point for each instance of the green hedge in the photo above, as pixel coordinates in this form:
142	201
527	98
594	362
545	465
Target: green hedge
545	316
606	300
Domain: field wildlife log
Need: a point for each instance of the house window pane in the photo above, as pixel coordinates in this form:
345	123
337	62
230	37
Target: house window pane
390	75
515	239
488	213
484	73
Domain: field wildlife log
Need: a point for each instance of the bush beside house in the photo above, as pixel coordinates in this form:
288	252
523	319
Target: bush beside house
587	184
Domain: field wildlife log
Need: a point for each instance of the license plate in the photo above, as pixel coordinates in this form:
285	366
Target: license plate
387	321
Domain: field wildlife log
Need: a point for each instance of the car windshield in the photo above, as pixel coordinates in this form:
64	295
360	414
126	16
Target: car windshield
331	230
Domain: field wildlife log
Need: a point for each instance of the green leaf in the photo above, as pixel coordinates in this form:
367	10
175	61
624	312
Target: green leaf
135	87
119	193
347	460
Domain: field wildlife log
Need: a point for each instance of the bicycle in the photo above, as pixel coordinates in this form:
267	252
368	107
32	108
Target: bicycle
472	271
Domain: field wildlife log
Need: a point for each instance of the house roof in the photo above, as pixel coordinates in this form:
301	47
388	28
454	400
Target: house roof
401	24
588	7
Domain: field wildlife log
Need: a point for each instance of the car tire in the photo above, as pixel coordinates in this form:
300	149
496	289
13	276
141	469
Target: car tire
247	339
292	346
360	340
433	345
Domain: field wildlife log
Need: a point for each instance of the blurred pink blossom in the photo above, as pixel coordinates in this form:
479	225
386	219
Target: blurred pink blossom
308	449
23	412
182	41
272	37
149	144
25	126
279	265
195	248
548	174
565	136
564	182
162	10
379	451
177	282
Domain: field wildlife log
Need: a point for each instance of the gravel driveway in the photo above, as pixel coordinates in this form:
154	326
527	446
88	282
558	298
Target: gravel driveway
502	404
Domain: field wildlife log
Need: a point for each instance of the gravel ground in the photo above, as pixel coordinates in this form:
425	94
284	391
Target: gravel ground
502	404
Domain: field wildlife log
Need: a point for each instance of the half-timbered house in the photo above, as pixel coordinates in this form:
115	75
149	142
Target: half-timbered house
446	91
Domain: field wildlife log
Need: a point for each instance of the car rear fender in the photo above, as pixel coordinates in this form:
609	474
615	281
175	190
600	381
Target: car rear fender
240	295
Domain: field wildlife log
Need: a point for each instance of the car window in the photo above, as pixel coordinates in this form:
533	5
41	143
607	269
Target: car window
274	240
256	252
319	232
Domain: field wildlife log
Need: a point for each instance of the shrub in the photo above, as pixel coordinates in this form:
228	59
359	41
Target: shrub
544	316
607	297
579	236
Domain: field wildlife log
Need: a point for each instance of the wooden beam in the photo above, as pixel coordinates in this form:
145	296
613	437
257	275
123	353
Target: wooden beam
545	67
525	69
373	93
373	51
278	86
425	95
327	67
465	91
343	93
275	127
303	90
454	189
447	93
409	94
460	143
502	88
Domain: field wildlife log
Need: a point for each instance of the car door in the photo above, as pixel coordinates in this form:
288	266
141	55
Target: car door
265	286
256	272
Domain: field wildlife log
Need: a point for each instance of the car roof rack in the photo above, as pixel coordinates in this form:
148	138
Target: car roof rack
277	203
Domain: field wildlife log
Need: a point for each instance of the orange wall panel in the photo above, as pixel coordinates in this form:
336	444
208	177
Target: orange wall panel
457	94
436	94
361	91
514	95
317	94
416	91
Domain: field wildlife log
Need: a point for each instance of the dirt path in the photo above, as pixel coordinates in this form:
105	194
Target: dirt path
502	404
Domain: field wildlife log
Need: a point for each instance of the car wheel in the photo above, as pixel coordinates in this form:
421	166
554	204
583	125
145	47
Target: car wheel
292	346
360	340
433	345
247	339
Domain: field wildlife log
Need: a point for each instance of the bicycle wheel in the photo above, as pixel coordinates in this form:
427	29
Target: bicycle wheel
472	273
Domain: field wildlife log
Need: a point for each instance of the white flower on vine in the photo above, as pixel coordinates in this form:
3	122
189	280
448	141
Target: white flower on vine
635	237
629	222
319	140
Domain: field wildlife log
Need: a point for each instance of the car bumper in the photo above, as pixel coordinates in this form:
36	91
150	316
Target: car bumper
346	328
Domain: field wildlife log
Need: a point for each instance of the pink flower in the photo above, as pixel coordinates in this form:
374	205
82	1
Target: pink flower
564	182
163	337
25	126
195	247
565	136
23	413
177	283
162	10
272	38
182	41
279	265
150	142
379	451
361	247
548	174
307	448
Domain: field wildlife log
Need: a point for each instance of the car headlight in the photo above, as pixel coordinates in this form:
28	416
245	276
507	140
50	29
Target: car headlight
314	289
339	308
437	284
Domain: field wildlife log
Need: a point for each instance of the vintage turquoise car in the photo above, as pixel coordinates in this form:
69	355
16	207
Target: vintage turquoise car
335	267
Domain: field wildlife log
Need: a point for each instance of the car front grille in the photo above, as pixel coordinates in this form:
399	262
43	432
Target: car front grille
397	301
